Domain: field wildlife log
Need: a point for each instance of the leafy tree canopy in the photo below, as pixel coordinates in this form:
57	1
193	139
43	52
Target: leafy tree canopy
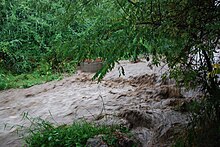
185	33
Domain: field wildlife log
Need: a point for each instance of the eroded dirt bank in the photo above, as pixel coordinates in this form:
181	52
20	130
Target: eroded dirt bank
140	99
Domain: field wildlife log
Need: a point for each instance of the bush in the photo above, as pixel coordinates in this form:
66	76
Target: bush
29	33
46	134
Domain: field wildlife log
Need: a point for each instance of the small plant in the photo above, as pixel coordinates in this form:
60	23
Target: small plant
43	133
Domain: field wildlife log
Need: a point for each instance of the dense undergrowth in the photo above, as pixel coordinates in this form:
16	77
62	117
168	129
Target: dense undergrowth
31	39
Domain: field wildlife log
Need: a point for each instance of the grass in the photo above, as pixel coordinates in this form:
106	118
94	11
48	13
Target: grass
44	73
45	134
26	80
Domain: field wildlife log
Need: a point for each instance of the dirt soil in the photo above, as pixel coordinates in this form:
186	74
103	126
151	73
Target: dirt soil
77	96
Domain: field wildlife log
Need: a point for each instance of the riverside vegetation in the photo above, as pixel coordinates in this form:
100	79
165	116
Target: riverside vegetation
43	133
42	39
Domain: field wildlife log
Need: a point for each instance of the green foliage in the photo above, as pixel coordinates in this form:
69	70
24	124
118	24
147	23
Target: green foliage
3	81
182	32
63	31
26	80
29	34
43	133
29	49
43	74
